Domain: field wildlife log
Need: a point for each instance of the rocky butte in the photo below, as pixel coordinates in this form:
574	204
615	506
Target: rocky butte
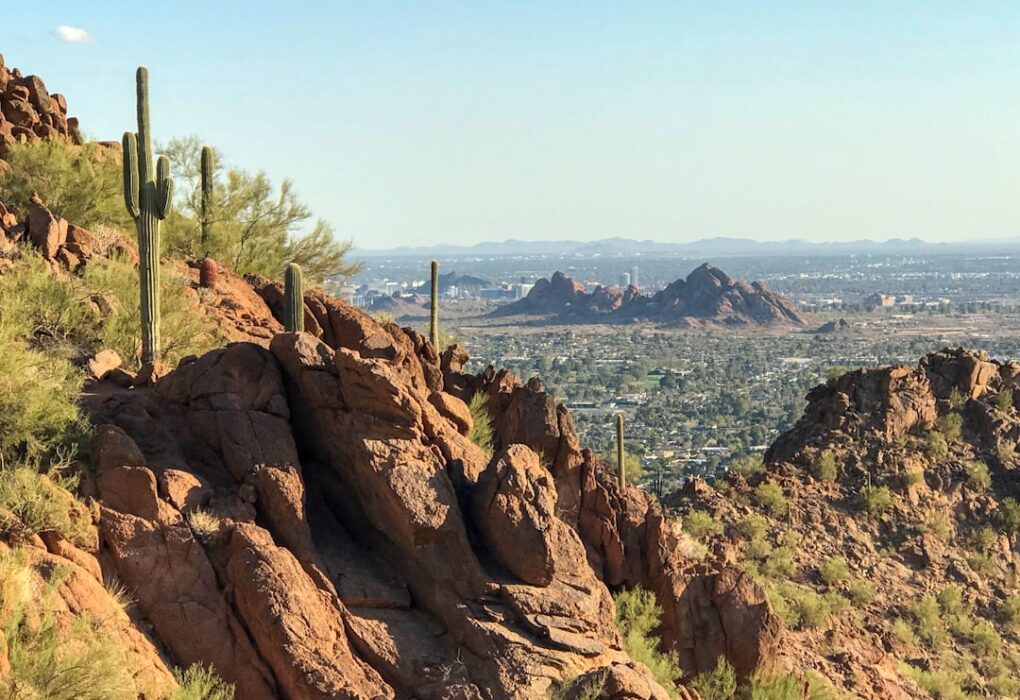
708	296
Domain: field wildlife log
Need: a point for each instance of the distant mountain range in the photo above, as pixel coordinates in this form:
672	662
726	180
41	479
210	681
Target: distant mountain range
708	247
707	297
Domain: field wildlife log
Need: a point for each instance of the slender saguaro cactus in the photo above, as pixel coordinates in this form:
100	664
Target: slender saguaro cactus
207	193
148	199
434	326
293	299
621	469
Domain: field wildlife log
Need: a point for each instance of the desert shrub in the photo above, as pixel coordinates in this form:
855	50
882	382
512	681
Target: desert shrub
41	503
833	570
752	527
983	564
978	476
637	615
698	524
203	523
1004	399
940	684
904	631
1009	609
861	591
779	563
1004	452
983	539
985	639
928	623
1009	516
951	426
951	601
747	466
80	183
824	467
784	686
912	478
718	684
936	446
481	426
876	499
69	660
184	328
806	607
937	523
758	548
957	400
771	499
201	683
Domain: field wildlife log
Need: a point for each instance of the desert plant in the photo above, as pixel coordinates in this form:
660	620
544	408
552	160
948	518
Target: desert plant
928	622
207	166
1009	516
978	476
699	524
1009	609
637	615
434	307
198	682
481	423
861	591
824	467
747	465
936	445
203	523
833	570
985	639
904	631
79	183
771	499
951	426
148	198
876	499
1004	399
718	684
40	503
956	399
783	686
752	527
1005	452
293	300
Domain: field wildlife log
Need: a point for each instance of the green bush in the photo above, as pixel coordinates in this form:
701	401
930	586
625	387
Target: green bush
771	499
65	660
936	445
752	527
978	476
951	426
876	499
784	686
943	685
986	639
39	503
1004	399
904	631
481	426
780	563
699	524
833	570
637	615
201	683
861	591
1009	609
83	184
1009	516
956	399
718	684
824	467
1005	452
928	622
747	466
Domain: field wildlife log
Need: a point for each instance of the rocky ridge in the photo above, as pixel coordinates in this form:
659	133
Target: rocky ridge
28	112
706	296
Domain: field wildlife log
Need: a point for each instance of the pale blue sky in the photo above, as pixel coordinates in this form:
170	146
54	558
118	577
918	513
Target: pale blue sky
419	122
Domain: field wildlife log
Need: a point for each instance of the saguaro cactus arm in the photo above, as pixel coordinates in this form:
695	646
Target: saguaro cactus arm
293	299
164	188
131	174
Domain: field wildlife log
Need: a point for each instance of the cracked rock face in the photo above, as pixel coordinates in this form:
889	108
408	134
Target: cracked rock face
313	506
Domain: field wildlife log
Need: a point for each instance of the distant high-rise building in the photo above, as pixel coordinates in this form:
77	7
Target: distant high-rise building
635	276
625	280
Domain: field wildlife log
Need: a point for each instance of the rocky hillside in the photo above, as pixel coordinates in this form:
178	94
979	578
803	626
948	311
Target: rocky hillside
28	112
884	527
707	296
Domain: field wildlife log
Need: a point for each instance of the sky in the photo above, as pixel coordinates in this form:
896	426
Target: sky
412	123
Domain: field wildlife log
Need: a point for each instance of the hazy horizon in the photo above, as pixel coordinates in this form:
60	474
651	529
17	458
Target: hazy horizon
458	125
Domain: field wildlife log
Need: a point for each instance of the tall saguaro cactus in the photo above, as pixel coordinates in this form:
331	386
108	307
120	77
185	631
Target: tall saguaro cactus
293	299
434	326
148	198
621	469
208	162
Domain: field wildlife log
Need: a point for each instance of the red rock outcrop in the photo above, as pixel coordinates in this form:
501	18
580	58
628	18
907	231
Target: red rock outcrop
707	296
28	112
